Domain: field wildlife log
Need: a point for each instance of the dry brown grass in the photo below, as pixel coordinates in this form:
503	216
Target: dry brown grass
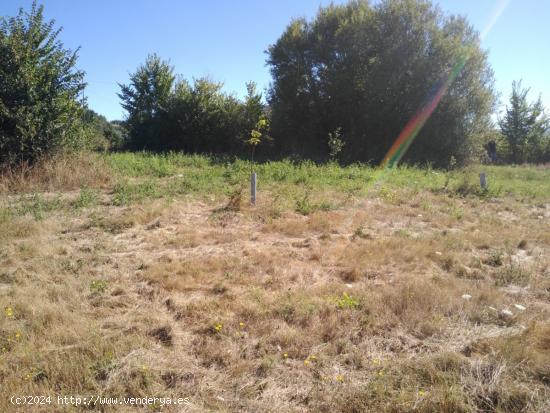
378	306
62	172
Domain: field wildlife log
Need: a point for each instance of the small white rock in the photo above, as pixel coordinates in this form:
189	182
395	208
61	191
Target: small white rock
519	307
438	253
349	285
419	215
506	313
466	296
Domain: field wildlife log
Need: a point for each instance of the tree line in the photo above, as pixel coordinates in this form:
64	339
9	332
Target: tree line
344	85
165	113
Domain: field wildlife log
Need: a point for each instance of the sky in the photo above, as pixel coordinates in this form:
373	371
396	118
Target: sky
226	40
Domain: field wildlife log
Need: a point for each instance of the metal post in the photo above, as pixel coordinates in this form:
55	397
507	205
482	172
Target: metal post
483	180
253	188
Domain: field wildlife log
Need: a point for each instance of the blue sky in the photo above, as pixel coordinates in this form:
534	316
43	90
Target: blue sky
226	40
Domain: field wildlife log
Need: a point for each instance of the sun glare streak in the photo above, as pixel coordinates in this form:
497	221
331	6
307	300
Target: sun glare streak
497	12
413	127
407	135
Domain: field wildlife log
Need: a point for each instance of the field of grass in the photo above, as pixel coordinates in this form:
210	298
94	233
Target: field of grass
343	290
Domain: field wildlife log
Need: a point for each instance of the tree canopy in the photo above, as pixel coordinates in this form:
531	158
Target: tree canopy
40	110
146	100
525	128
166	112
366	70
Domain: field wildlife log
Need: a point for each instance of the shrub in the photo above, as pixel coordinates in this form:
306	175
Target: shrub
167	114
39	87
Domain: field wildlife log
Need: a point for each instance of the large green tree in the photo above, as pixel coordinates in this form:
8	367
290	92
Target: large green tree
40	111
525	128
367	70
205	118
146	100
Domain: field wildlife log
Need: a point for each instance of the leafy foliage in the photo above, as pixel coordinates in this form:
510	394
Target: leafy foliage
204	119
368	69
335	143
257	134
102	134
525	128
346	302
169	114
39	89
146	100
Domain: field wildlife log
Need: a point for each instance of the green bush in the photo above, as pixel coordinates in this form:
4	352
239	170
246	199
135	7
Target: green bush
39	89
167	114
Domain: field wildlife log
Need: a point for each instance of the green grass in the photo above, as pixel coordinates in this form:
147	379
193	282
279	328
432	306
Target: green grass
196	174
35	205
125	192
303	186
345	302
98	286
86	198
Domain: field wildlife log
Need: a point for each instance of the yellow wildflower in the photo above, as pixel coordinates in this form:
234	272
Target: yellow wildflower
8	311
